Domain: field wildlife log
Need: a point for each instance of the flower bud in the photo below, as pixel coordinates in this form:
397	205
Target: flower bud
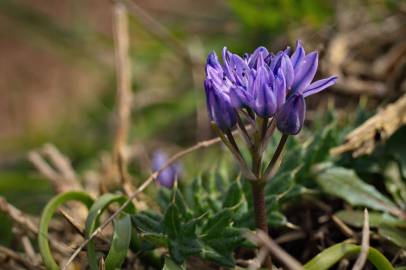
290	117
219	106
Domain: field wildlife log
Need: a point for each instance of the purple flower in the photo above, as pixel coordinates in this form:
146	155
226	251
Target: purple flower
268	84
291	115
169	175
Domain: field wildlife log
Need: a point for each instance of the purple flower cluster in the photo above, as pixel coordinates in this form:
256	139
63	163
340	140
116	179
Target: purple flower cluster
264	83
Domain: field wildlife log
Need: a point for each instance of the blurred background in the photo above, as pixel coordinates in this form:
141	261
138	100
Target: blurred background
58	79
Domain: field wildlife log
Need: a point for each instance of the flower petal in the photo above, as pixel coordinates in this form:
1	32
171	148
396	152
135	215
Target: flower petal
304	72
239	97
298	55
288	71
253	59
279	88
319	85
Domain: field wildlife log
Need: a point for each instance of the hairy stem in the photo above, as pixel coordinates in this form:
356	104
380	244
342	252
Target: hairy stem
258	195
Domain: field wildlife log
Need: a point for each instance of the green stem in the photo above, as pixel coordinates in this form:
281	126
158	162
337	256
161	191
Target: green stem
275	157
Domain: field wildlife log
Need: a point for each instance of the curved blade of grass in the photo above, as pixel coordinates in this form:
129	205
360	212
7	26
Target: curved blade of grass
120	243
92	221
46	217
328	257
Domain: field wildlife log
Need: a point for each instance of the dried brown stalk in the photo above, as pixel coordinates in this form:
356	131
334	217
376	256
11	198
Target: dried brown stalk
18	258
277	252
362	258
375	130
58	172
28	225
124	95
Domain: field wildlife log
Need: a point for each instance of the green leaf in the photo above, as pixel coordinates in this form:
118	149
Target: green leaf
356	218
234	195
180	204
393	234
146	221
172	221
180	248
46	217
276	219
211	254
344	183
120	243
92	221
217	224
159	240
171	265
330	256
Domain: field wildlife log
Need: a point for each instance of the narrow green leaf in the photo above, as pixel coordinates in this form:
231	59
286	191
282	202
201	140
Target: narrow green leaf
217	223
393	234
347	185
330	256
120	243
234	195
92	221
46	217
356	218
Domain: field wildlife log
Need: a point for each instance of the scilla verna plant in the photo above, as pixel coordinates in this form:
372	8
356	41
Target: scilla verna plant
268	91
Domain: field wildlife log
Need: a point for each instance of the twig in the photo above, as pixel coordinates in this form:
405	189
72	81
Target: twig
26	223
259	260
19	258
61	175
362	258
44	168
343	227
29	249
276	251
375	130
62	163
78	227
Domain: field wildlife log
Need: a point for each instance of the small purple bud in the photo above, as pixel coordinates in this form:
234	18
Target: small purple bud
219	106
290	117
170	174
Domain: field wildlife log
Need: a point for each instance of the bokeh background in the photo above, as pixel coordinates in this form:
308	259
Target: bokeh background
58	80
